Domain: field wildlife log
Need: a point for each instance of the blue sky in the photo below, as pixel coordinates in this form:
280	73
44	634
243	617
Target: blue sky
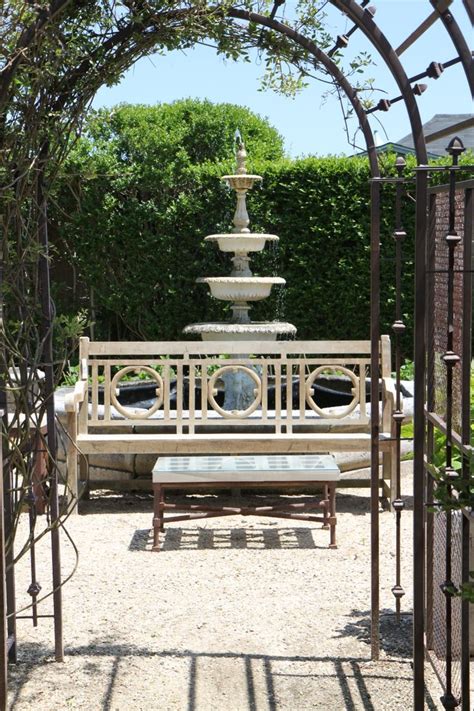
309	124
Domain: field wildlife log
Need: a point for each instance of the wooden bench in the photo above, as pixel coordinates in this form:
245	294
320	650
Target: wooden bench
185	420
275	471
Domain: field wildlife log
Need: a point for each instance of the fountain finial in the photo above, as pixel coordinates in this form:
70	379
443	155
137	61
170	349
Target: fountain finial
240	154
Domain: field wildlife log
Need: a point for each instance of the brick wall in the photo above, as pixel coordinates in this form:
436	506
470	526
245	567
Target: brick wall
440	305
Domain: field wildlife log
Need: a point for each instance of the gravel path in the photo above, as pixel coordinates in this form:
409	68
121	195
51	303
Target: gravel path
235	614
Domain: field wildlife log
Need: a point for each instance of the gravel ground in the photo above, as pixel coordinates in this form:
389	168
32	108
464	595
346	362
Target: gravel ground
234	614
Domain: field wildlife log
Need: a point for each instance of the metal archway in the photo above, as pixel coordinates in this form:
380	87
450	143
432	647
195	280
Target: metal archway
367	25
363	19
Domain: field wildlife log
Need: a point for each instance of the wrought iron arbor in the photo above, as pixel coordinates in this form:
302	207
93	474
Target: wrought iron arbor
448	415
451	418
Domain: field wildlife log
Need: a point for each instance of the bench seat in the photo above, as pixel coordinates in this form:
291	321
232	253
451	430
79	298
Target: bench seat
225	443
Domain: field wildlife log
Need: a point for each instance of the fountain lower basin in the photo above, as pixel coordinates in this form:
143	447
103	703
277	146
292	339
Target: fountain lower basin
241	289
253	331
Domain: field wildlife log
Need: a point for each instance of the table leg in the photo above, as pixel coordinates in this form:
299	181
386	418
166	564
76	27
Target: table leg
332	515
325	503
158	501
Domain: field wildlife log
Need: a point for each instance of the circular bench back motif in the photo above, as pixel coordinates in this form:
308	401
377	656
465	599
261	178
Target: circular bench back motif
336	369
234	369
115	389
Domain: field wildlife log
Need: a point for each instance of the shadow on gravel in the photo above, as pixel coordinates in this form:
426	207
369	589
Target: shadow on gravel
251	538
113	502
395	638
360	504
351	503
357	680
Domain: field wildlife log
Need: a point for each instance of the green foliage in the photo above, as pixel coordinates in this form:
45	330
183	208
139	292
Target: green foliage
170	137
138	195
320	209
464	490
466	590
70	375
407	432
407	370
143	188
452	495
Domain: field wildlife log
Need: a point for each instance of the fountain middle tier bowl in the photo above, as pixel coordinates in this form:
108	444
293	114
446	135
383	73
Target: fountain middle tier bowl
240	288
241	243
253	331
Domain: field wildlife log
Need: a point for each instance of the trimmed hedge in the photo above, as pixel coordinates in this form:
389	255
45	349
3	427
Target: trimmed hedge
320	207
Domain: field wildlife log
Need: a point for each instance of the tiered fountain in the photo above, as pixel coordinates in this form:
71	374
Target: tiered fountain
241	287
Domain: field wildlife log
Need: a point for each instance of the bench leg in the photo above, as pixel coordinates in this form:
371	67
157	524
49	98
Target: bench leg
325	525
158	521
72	471
84	487
332	515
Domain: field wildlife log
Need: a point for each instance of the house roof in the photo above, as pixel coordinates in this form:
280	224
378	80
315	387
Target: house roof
438	134
398	148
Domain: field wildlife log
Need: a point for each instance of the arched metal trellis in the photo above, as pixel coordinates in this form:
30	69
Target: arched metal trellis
363	19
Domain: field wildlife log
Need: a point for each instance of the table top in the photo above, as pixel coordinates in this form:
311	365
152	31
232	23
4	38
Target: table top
273	467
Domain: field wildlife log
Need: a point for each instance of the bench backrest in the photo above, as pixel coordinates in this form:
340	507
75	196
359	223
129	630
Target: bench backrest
190	375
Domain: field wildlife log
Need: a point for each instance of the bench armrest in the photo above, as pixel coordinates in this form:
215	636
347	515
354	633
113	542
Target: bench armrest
73	400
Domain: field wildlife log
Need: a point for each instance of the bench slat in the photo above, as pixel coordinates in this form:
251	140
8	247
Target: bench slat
169	348
222	443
